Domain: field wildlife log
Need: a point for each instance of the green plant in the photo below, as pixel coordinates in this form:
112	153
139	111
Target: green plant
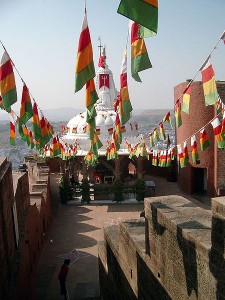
65	190
118	191
139	189
85	191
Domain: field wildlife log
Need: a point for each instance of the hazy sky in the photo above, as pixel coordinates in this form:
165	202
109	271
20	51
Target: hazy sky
41	37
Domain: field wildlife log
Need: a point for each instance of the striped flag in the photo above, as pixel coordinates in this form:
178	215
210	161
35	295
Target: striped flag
7	82
181	156
95	144
185	153
162	131
167	118
223	125
12	129
31	140
124	99
91	98
151	141
26	111
85	69
139	55
209	83
144	12
155	136
168	158
45	136
204	140
36	126
194	149
217	132
186	99
154	158
178	114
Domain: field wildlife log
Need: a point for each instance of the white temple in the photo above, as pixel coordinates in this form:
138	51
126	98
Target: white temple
105	118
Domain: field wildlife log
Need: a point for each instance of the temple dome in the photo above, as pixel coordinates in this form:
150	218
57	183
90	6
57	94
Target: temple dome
105	119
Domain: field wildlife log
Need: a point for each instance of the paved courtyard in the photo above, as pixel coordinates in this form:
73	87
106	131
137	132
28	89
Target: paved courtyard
75	232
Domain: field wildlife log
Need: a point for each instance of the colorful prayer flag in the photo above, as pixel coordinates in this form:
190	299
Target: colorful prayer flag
12	129
85	69
209	83
26	111
36	126
181	156
144	12
95	144
185	153
186	99
139	55
155	136
223	125
31	140
217	132
162	131
7	82
45	136
194	150
204	141
154	158
178	114
124	99
167	118
168	158
152	144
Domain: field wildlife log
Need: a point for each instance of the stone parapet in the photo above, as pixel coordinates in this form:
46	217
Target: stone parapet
178	252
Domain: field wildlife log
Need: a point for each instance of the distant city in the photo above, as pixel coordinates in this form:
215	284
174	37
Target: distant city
147	120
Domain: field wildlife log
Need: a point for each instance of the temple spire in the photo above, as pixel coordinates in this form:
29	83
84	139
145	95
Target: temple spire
100	46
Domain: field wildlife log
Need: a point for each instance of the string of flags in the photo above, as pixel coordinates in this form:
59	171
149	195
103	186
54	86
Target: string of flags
211	98
40	135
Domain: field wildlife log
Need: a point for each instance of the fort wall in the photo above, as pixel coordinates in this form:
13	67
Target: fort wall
176	252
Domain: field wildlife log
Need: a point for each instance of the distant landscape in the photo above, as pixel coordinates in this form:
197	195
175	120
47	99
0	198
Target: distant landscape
146	119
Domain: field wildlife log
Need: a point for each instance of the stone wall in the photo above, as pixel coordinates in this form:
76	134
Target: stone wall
176	253
25	218
7	231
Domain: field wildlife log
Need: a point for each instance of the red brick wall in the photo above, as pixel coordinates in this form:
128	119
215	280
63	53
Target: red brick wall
198	116
22	196
7	234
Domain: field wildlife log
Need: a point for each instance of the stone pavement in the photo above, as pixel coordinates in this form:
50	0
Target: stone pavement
75	233
78	228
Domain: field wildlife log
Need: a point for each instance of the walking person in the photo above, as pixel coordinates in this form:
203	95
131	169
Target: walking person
62	278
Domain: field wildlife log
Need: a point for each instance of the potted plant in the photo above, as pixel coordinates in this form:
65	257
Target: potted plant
139	189
85	191
118	191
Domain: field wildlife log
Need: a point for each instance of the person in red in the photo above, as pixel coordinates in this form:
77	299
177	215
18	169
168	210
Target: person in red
62	278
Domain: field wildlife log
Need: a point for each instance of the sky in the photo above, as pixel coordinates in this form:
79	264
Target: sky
41	37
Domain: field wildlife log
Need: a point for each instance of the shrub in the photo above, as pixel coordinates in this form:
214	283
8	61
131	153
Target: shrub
85	191
118	191
65	190
139	189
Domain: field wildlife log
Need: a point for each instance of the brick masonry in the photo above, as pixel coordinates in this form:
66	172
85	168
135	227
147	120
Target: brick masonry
212	159
29	193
